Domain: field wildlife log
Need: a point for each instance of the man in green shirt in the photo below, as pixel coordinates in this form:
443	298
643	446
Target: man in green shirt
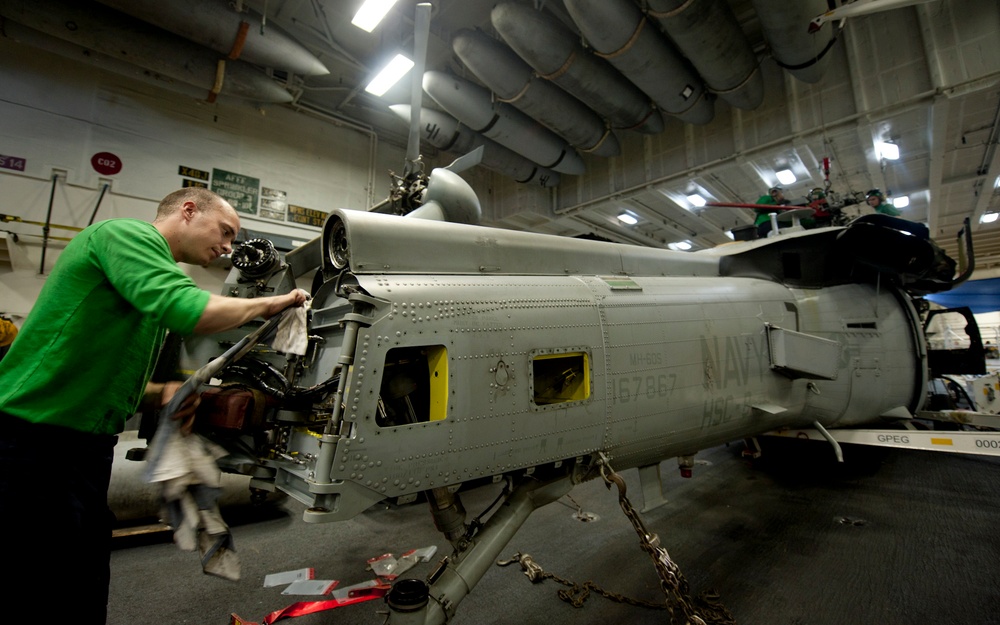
877	201
762	217
80	366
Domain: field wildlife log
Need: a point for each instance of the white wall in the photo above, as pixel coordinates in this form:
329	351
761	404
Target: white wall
56	114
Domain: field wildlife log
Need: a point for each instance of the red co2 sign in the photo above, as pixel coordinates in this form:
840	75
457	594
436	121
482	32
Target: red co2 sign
106	163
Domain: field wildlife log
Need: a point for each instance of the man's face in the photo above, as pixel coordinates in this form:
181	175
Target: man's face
778	196
210	232
874	201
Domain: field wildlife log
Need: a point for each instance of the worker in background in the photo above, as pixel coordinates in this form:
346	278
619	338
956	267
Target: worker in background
7	333
822	214
81	366
776	197
877	201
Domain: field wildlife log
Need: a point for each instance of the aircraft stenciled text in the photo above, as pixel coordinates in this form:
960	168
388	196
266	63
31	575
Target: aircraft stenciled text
637	387
727	359
645	359
719	410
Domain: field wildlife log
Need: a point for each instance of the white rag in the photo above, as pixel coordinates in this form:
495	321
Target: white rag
292	336
191	486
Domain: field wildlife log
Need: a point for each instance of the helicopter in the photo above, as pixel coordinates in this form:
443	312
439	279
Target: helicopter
443	355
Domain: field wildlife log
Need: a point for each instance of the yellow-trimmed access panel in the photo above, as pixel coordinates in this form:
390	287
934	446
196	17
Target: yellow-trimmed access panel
414	386
560	377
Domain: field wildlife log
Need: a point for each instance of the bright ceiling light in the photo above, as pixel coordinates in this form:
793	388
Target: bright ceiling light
680	246
901	202
696	200
389	75
371	13
785	176
989	218
628	219
888	150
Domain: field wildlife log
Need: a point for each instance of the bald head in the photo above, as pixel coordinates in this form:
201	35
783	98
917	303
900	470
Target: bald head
199	225
204	199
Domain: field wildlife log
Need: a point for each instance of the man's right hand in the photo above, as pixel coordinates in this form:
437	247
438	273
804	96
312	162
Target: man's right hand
278	303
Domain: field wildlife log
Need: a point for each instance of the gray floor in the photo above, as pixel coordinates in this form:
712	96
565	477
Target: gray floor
922	546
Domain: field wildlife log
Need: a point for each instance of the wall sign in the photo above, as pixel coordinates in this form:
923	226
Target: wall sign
12	162
308	216
273	203
240	191
191	172
106	163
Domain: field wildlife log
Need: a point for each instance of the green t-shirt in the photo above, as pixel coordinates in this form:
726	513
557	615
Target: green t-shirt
86	351
761	215
886	208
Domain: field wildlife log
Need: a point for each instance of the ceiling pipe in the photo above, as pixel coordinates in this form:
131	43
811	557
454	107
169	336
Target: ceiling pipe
785	26
445	133
708	34
124	38
556	54
473	106
618	32
214	24
513	82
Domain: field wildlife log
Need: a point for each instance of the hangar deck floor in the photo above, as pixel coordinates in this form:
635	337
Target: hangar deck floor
921	545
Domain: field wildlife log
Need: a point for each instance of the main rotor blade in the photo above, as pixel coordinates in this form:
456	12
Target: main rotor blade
422	25
466	161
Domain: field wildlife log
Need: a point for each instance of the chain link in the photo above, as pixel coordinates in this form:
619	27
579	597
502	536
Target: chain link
705	609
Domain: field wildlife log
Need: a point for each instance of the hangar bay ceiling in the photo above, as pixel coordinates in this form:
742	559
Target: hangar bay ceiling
614	105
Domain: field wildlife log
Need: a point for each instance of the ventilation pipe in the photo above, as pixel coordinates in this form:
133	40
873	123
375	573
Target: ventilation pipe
708	34
445	133
239	35
513	82
123	38
556	54
618	32
786	29
473	106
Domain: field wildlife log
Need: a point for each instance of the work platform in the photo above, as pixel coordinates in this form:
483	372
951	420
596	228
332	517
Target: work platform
890	536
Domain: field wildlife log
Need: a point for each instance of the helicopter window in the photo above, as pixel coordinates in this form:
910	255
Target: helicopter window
560	378
414	386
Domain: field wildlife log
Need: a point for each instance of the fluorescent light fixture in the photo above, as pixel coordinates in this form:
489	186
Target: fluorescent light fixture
901	202
627	219
371	13
680	246
989	218
888	150
785	176
389	75
696	200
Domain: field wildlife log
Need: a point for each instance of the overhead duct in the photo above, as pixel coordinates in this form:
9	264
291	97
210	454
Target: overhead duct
556	54
786	29
39	40
445	133
216	25
119	36
513	81
618	32
472	105
708	34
